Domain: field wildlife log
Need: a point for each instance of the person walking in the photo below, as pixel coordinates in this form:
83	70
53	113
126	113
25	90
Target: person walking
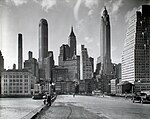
49	100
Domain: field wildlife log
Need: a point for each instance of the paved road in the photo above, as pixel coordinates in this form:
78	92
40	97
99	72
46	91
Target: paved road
88	107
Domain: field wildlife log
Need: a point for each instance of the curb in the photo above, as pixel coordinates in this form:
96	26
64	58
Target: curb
44	108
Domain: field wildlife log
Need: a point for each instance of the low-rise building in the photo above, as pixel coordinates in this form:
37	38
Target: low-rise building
65	87
17	82
124	87
113	84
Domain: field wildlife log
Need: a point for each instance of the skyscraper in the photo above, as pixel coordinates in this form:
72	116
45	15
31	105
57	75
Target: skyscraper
86	64
31	64
136	53
19	51
105	44
49	65
1	67
68	58
72	43
43	42
1	62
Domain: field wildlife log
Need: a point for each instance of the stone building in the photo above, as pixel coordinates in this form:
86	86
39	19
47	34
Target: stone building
86	64
32	65
68	58
17	82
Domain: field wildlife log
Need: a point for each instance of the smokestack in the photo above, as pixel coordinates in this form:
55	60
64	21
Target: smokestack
30	55
19	51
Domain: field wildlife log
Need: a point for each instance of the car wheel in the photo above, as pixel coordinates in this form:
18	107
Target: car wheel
133	101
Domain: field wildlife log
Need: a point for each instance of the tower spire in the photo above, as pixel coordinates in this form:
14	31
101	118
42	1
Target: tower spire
105	11
72	33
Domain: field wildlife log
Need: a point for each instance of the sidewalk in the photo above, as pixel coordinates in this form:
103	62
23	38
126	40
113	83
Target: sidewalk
63	110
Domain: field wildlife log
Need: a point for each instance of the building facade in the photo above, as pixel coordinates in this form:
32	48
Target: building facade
20	55
68	58
1	67
17	83
72	43
31	65
59	74
104	61
49	65
86	64
136	53
43	42
105	44
73	66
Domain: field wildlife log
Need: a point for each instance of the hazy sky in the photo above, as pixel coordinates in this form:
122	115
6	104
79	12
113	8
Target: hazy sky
23	16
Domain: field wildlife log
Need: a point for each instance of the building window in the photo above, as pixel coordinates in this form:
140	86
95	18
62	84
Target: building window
26	80
25	76
26	91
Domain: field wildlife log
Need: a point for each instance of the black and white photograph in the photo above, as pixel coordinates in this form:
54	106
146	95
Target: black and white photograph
74	59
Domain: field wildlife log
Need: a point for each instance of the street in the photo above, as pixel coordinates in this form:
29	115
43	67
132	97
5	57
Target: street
90	107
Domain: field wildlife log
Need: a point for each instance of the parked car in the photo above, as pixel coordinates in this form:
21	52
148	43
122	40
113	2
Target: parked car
141	97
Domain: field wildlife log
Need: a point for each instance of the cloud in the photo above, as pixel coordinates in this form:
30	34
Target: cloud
90	12
80	25
76	9
17	2
46	4
88	39
114	5
91	3
129	14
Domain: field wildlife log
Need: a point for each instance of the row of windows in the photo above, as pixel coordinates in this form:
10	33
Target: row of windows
15	92
15	76
15	80
17	84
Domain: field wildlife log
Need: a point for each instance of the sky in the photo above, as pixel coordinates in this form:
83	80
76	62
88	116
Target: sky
23	16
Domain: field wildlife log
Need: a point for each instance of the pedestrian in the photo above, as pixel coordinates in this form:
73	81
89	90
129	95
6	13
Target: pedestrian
49	100
73	94
44	101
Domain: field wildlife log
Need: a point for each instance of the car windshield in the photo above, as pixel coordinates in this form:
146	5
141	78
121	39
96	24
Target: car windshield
143	94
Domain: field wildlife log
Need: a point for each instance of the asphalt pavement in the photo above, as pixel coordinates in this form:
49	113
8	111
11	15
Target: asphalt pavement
67	110
91	107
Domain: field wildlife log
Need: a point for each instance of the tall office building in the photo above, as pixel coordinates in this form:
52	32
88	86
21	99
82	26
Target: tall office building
31	65
72	43
43	42
86	64
105	44
1	67
19	51
68	58
49	65
1	62
64	53
136	53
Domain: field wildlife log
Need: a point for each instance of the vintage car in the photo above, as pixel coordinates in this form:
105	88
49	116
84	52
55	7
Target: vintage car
142	97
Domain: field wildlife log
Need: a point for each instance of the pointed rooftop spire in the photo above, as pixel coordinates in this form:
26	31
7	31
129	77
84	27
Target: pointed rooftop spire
72	33
105	11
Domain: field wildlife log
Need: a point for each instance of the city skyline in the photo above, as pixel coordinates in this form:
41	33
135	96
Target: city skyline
84	15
